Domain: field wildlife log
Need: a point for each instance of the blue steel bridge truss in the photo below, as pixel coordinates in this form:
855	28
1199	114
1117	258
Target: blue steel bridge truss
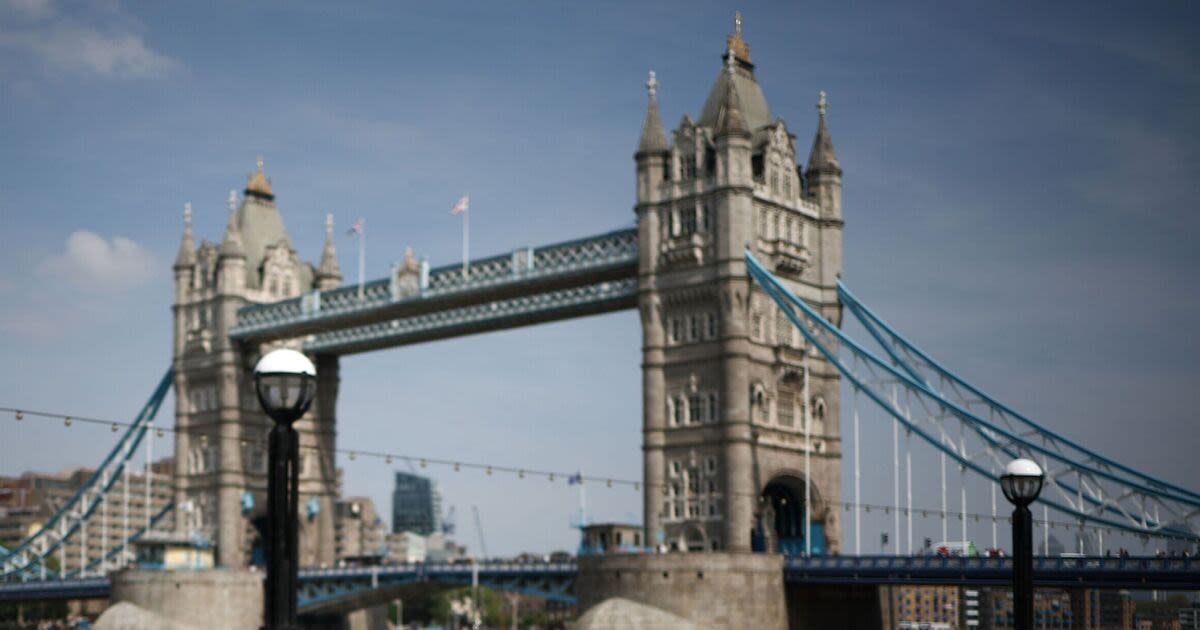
980	434
29	557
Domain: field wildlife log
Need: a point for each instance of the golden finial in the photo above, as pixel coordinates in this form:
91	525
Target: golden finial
736	44
258	182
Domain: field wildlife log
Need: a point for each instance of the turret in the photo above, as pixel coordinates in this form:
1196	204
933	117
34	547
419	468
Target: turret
329	274
731	133
652	149
824	174
185	261
231	266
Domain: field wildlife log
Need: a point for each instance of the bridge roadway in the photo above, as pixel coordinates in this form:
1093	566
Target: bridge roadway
588	276
325	590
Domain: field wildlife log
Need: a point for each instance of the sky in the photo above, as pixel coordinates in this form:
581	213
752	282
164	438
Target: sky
1019	193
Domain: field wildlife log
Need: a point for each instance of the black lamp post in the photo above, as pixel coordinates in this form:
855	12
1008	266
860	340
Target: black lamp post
285	381
1022	483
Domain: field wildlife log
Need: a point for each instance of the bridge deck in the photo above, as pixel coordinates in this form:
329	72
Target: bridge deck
328	588
531	285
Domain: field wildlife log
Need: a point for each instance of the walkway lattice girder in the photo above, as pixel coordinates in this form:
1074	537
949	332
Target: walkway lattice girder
523	273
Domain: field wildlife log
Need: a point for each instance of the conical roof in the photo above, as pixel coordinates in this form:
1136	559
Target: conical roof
750	97
231	245
730	119
654	135
823	158
187	247
328	267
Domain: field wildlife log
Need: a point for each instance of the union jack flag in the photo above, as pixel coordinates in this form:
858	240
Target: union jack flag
462	205
357	228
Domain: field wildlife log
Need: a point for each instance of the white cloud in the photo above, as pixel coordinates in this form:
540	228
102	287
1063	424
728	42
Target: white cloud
87	50
104	42
28	8
94	263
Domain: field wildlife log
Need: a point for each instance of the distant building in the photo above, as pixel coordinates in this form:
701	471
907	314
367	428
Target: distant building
1051	608
31	498
926	606
610	538
410	547
416	505
360	535
1103	609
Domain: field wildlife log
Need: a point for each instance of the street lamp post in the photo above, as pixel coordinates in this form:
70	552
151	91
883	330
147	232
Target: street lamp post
285	381
1022	483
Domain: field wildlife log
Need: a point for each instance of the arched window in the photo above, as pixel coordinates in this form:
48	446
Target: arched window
712	407
680	411
695	409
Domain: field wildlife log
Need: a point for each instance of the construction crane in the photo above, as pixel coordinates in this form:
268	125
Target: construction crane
448	521
479	528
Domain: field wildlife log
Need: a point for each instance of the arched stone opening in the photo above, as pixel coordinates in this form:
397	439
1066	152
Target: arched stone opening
780	519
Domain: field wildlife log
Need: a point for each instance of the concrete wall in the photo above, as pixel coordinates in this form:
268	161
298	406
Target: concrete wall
232	600
723	590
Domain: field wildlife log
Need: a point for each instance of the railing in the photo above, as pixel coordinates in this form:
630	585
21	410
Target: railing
1111	572
322	310
1089	572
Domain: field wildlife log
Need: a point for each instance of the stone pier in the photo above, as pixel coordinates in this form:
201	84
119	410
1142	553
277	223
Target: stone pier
717	590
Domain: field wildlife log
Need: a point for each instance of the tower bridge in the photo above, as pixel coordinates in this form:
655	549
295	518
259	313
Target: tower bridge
735	271
727	381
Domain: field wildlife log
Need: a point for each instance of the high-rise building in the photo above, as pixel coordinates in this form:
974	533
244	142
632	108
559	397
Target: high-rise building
416	505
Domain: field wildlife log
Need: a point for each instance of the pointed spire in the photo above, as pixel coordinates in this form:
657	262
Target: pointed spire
823	158
187	248
734	43
231	246
729	117
654	136
329	269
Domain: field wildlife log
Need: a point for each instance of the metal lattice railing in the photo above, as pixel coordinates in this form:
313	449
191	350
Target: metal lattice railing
482	317
619	248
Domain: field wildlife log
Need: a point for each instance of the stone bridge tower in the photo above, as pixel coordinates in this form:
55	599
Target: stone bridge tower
723	370
220	439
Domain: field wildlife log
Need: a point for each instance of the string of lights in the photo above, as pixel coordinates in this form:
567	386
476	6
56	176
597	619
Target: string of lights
491	469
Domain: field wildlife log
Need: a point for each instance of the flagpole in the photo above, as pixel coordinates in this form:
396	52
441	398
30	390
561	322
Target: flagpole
362	257
466	238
